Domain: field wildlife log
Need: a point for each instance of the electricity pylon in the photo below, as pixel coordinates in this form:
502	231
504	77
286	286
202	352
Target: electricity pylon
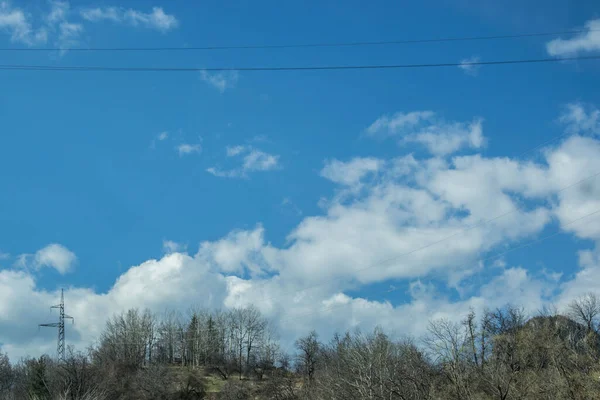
60	347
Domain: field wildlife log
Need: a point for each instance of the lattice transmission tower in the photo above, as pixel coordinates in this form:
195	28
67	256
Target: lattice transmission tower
60	347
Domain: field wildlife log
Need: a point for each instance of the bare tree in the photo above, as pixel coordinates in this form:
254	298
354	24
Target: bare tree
127	339
585	310
308	356
448	345
6	375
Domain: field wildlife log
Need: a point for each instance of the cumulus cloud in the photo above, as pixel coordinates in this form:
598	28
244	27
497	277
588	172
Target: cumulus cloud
220	80
417	220
585	42
186	148
54	256
252	160
438	136
468	66
157	19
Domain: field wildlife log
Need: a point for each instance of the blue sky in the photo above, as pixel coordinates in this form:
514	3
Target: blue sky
217	182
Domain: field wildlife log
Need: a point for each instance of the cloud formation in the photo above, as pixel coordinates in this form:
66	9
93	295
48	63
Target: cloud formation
187	148
57	24
467	65
220	80
586	42
252	160
17	24
415	220
54	256
438	136
350	173
157	19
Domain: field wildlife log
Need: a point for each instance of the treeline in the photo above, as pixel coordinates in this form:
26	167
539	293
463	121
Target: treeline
501	354
239	341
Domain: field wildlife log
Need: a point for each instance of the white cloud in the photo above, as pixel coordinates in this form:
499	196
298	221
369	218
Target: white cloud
398	122
170	246
468	66
186	148
98	14
234	150
440	137
238	250
581	119
253	160
585	42
55	24
220	80
163	136
157	19
69	34
224	174
373	237
257	160
350	173
17	24
54	256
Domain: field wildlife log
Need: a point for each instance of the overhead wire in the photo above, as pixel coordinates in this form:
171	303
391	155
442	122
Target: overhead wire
300	45
95	68
337	67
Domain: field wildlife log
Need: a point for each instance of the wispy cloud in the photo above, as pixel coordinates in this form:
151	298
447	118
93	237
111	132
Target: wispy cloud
257	160
170	246
220	80
186	148
17	24
4	256
585	42
163	136
56	25
234	150
157	19
391	125
350	173
253	160
440	137
287	203
581	119
468	66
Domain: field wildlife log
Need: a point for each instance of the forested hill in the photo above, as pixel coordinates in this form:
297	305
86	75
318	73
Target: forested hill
235	354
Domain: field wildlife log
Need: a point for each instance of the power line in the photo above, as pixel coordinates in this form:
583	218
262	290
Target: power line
307	45
7	67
